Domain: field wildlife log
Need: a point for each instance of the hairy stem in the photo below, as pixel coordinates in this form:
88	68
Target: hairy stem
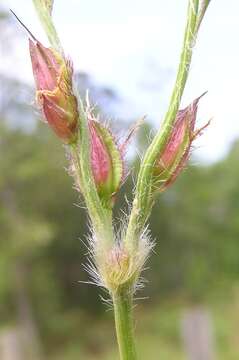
143	201
124	326
101	219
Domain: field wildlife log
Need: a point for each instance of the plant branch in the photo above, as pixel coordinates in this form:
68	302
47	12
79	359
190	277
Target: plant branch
101	218
122	301
143	200
202	11
44	13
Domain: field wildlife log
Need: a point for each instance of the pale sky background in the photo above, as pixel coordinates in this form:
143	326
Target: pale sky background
133	46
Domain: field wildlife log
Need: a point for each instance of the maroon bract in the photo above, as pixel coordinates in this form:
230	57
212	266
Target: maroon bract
100	158
177	150
53	78
106	160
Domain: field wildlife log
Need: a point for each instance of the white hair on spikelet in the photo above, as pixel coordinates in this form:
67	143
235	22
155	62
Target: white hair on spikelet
113	267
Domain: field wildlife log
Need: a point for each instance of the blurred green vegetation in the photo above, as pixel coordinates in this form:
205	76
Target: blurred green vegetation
43	227
195	225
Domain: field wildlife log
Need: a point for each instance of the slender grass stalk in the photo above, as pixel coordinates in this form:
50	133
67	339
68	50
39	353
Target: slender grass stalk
101	218
122	301
118	262
44	9
203	9
143	201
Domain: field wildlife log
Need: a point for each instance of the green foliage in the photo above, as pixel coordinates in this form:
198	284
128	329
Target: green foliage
195	224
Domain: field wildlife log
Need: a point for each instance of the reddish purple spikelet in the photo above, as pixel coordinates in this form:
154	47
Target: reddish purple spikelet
106	160
107	157
46	66
177	150
53	78
100	158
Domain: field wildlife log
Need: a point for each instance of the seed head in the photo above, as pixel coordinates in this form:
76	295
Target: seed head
177	150
53	78
106	160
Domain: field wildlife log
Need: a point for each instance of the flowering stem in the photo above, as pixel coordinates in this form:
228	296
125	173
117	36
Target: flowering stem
124	270
122	301
143	197
44	15
203	9
101	218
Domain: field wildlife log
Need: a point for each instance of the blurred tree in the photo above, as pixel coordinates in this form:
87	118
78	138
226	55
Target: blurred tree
195	224
42	231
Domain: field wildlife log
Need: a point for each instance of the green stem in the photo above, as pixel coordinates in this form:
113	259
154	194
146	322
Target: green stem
101	219
143	197
44	14
203	9
124	326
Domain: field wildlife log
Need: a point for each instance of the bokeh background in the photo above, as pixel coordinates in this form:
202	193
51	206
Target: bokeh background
126	54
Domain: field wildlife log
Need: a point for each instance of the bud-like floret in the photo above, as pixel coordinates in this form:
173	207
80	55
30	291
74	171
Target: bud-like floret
53	78
106	160
176	152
